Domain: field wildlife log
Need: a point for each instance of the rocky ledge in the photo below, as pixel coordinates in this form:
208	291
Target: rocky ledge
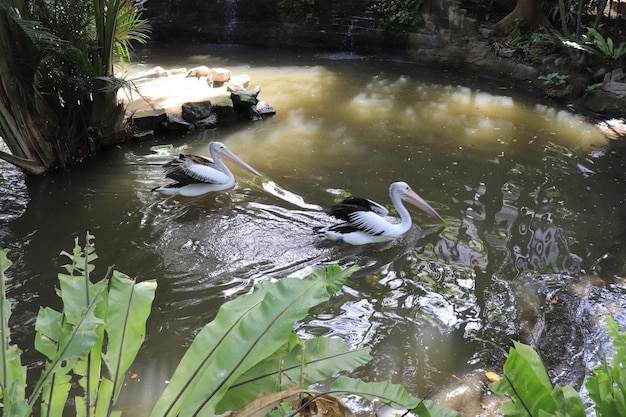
163	101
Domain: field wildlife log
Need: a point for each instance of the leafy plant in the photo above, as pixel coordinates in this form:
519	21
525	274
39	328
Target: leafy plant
249	349
92	341
247	359
603	45
530	390
401	12
56	59
554	79
532	394
607	386
130	27
597	45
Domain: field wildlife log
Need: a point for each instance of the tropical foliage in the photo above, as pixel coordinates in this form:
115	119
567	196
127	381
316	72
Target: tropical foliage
532	394
247	359
58	92
92	342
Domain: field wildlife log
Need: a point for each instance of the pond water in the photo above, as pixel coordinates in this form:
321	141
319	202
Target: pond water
532	195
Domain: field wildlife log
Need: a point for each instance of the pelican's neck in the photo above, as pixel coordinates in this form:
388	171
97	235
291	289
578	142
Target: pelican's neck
405	216
218	162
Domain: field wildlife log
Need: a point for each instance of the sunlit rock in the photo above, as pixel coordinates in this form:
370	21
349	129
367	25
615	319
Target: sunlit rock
469	395
245	103
184	102
217	77
238	83
198	72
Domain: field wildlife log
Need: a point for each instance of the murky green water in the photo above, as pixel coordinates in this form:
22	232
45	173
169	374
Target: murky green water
531	194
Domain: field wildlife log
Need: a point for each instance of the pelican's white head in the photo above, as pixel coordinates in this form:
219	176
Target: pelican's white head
403	190
216	148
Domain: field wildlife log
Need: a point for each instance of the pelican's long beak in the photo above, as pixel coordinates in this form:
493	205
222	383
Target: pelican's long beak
417	201
239	162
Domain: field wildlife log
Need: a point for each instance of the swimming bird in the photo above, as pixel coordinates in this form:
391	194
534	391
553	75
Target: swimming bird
364	222
195	175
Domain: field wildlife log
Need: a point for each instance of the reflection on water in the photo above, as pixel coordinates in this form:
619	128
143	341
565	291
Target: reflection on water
523	186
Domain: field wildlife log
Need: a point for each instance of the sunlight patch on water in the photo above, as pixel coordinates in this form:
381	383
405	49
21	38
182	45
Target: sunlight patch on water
572	129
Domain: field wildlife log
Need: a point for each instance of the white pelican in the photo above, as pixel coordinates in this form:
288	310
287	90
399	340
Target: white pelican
195	175
364	219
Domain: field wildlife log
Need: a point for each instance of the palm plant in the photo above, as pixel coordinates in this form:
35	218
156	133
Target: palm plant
58	92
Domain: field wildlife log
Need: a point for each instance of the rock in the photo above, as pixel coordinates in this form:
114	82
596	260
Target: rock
184	104
217	77
609	97
615	82
153	119
264	109
208	122
219	74
254	92
468	395
144	135
426	40
192	111
155	72
238	83
174	122
198	72
246	104
485	32
225	110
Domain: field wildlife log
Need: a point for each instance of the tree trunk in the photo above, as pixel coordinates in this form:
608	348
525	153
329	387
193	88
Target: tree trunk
29	148
528	10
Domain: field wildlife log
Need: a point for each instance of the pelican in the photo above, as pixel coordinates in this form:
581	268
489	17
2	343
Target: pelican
363	219
195	175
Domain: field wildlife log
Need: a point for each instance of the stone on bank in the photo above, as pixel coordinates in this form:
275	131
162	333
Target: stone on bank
167	101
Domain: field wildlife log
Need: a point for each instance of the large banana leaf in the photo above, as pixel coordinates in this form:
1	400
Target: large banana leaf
302	363
77	292
73	340
129	307
244	332
526	382
530	390
13	374
393	395
607	385
568	402
64	343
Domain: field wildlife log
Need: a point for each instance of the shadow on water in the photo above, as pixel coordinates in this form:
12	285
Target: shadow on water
532	195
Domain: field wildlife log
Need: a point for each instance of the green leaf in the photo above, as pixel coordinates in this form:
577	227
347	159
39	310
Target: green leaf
73	342
54	395
322	357
568	402
393	395
13	390
428	408
619	340
526	382
129	307
12	373
48	331
244	332
600	387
